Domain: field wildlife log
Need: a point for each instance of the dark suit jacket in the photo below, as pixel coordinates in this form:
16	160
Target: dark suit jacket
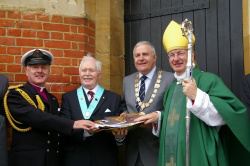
97	150
141	141
39	146
3	147
245	98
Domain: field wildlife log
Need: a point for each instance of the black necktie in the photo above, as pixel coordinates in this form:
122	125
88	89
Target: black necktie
141	91
91	96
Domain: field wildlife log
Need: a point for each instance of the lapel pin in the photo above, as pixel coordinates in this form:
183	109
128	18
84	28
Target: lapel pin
81	98
96	99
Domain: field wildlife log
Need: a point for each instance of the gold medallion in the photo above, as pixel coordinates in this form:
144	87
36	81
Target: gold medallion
157	86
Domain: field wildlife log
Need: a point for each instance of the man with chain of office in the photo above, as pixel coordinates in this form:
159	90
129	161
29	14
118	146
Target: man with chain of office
143	93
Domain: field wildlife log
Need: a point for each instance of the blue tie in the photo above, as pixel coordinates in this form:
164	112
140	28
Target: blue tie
142	91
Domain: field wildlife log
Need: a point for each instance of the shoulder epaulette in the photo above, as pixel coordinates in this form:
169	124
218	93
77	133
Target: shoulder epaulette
16	86
26	97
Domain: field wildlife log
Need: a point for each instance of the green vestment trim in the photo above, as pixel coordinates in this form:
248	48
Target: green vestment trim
208	147
172	126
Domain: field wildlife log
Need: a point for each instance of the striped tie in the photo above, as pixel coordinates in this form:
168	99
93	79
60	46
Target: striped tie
142	91
91	96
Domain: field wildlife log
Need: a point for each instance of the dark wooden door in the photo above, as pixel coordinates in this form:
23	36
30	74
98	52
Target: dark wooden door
217	26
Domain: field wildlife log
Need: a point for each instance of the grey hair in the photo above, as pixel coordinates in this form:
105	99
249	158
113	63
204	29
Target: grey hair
89	56
145	43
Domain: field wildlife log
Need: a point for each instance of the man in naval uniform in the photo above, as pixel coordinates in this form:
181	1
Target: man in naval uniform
143	93
90	102
219	127
34	115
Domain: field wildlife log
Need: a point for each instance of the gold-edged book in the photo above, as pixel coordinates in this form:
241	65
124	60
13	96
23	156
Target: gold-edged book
122	121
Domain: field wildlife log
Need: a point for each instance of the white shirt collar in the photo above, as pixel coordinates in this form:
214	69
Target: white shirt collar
150	74
93	90
41	88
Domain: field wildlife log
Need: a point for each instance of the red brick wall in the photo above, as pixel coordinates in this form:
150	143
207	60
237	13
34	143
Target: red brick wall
68	38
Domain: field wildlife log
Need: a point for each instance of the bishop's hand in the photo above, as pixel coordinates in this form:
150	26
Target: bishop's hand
189	88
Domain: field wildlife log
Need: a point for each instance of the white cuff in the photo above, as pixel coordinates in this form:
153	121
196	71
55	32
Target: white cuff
156	132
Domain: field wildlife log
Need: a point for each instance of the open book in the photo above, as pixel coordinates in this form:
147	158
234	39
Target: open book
122	121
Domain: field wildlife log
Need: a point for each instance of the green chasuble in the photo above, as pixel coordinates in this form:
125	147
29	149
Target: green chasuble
208	147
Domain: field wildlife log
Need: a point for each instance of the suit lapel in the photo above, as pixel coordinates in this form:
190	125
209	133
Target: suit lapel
101	101
132	91
86	97
151	87
78	111
50	102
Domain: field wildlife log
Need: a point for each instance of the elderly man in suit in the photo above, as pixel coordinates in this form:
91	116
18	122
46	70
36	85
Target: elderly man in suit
4	83
90	102
143	93
34	115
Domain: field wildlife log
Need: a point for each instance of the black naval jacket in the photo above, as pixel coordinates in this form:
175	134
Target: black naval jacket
40	145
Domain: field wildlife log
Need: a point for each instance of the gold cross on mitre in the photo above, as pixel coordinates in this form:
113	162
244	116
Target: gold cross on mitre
173	117
172	163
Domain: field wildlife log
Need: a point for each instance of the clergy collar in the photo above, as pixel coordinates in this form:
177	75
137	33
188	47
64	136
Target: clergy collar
93	90
181	77
150	74
38	88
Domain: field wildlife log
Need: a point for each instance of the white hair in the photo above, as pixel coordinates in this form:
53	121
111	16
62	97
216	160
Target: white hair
89	56
145	43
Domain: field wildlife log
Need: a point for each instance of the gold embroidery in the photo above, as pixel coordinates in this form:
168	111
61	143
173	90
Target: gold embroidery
26	97
172	163
173	117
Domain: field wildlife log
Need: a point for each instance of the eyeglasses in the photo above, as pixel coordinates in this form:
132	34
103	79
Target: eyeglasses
180	54
88	70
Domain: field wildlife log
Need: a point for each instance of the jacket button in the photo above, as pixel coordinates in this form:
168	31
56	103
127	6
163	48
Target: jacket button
57	151
58	135
47	150
48	142
58	143
48	133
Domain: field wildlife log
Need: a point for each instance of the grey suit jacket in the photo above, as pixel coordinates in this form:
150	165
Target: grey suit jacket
3	148
141	141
